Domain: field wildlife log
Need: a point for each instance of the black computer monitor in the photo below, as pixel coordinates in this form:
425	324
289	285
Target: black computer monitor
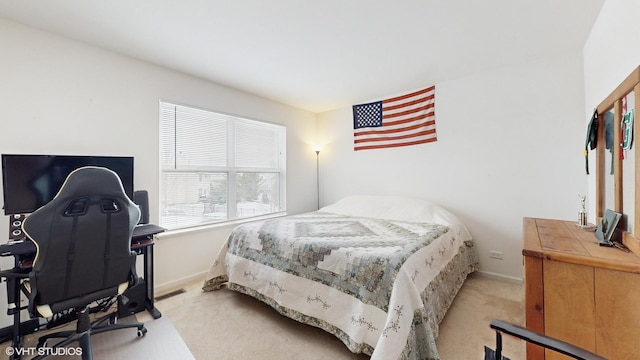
30	181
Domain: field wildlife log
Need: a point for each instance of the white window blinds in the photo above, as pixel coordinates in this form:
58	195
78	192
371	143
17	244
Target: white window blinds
217	167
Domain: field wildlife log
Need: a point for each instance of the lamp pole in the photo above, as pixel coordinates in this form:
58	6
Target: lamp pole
318	176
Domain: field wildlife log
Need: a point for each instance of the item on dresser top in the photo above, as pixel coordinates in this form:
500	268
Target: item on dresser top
607	227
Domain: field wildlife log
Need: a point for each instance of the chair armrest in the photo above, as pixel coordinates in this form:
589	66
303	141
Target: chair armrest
14	278
544	341
15	273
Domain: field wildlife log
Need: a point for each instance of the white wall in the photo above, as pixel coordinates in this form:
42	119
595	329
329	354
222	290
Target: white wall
611	53
509	145
59	96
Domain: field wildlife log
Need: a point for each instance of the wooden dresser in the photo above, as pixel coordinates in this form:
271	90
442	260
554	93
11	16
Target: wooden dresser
579	291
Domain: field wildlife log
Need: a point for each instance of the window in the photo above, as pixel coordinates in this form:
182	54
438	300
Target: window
217	167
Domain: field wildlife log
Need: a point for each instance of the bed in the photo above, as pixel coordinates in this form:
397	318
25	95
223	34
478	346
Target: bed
378	272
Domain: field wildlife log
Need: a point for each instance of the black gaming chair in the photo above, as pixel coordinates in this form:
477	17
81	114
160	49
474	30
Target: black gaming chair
83	239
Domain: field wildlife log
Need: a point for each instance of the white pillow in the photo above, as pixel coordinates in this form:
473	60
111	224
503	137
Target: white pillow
396	208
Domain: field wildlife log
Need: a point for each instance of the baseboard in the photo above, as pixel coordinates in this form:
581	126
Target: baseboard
501	277
162	289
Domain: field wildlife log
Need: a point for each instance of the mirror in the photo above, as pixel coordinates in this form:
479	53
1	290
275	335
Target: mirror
628	160
607	137
616	151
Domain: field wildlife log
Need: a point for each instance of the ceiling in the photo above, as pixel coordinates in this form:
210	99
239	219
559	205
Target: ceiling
320	55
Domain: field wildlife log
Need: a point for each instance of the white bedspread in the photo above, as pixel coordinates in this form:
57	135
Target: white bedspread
381	286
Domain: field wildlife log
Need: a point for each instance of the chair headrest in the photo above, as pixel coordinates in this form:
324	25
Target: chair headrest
85	180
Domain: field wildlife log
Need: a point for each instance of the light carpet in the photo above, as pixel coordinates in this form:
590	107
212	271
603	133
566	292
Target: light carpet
227	325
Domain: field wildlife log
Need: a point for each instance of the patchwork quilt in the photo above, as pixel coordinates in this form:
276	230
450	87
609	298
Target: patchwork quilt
380	286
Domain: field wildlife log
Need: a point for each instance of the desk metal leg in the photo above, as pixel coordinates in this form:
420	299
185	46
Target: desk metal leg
148	276
17	330
14	309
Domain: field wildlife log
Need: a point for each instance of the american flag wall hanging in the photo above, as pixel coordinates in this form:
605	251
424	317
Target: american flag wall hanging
399	121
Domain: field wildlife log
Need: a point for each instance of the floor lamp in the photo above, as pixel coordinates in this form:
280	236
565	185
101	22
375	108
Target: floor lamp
318	176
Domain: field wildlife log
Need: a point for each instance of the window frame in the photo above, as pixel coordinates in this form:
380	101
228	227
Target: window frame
230	170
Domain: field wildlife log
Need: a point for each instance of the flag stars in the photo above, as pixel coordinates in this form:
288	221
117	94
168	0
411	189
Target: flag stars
368	115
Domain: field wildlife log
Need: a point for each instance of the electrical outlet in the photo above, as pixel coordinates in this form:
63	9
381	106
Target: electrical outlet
495	254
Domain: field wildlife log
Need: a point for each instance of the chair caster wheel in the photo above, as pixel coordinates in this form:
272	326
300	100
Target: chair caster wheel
142	331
